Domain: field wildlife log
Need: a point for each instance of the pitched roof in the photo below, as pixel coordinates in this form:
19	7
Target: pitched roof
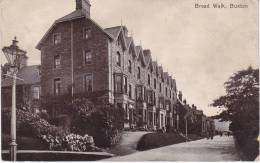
128	41
113	31
155	67
147	55
138	49
71	16
30	75
160	70
77	14
166	75
140	55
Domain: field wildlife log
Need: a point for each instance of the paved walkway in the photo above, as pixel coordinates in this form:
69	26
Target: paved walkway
128	143
218	149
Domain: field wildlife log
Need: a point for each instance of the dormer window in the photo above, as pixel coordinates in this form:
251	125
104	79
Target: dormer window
56	38
86	33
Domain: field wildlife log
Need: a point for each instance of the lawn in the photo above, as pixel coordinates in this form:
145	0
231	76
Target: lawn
156	140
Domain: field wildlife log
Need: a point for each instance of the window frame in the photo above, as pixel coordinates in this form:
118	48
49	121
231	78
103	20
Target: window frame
85	32
117	76
58	40
149	79
118	59
37	97
85	83
138	72
154	83
57	81
129	66
85	52
55	65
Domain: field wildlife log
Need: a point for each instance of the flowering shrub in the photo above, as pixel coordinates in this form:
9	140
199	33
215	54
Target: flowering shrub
71	142
38	126
32	125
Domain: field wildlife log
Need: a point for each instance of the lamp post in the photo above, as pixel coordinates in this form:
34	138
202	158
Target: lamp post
13	54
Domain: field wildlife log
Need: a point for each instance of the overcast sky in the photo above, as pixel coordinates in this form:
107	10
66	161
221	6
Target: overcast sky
201	48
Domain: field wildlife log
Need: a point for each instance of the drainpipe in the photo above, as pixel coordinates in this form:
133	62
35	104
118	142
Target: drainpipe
72	59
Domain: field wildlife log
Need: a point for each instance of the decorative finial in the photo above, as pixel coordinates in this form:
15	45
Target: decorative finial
121	21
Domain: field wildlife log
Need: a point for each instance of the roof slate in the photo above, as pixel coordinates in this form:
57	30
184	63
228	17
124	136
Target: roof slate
73	15
30	75
147	55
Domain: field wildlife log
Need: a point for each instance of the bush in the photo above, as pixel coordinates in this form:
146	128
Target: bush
156	140
103	121
32	127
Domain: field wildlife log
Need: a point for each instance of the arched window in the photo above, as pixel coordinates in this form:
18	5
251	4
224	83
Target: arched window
149	79
138	73
129	66
118	59
154	83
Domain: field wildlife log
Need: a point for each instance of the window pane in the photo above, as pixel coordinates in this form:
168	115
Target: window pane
118	83
88	57
88	83
57	61
86	33
118	59
36	93
56	39
57	86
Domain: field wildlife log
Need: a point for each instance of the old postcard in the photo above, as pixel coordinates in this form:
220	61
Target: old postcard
129	80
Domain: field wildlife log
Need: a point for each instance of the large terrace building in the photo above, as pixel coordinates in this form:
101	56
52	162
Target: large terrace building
79	56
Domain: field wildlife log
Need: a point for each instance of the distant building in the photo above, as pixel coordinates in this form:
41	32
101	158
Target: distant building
197	122
79	56
28	90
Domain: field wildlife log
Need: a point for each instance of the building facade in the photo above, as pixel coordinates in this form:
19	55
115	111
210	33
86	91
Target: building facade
79	56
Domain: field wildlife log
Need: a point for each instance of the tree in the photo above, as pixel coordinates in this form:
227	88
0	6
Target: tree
242	105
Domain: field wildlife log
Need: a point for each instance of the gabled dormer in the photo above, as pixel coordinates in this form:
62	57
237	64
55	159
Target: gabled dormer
150	67
119	34
147	56
140	56
155	67
161	73
131	46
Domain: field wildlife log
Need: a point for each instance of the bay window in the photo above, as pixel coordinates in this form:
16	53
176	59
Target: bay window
118	83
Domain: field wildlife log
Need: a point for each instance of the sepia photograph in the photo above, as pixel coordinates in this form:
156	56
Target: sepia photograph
129	80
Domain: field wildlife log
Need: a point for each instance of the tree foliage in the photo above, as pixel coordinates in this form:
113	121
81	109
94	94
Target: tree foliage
242	104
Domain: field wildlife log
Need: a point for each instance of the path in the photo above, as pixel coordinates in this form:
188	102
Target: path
218	149
128	143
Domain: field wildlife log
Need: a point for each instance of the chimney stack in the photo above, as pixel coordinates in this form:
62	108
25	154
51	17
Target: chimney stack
84	6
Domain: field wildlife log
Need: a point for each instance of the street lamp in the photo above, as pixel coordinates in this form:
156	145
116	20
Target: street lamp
13	54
